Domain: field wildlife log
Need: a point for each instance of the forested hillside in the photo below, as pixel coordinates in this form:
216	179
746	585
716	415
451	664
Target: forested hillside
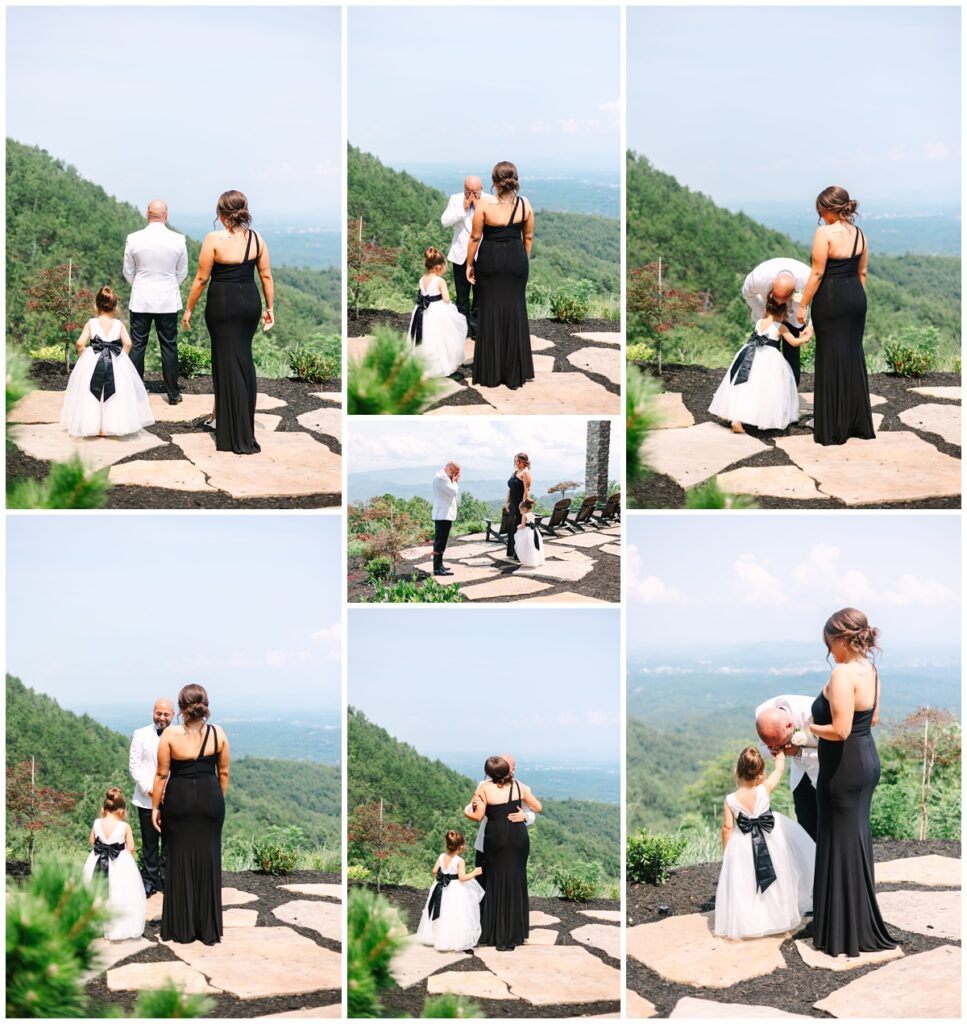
55	216
74	754
707	249
577	252
430	796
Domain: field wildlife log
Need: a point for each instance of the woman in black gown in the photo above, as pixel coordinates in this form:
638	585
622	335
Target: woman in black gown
518	490
188	809
233	311
846	918
505	912
503	232
837	290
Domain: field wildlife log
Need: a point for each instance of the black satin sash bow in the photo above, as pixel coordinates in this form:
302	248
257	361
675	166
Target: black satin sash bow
422	304
102	381
436	896
535	530
106	852
765	873
742	365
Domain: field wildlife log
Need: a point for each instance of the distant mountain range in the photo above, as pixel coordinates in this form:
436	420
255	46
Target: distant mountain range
406	482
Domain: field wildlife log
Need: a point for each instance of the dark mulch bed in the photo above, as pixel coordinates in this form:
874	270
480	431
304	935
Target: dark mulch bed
51	376
410	901
697	385
795	988
270	896
563	336
603	582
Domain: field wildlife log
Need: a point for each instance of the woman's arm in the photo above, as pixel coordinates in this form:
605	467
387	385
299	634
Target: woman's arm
205	260
476	233
84	338
528	227
125	339
268	285
776	777
528	797
819	257
478	809
727	822
526	481
864	263
842	701
129	839
223	759
160	778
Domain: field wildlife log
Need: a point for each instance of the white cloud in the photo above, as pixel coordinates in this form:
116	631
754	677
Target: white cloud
757	586
646	588
330	637
935	150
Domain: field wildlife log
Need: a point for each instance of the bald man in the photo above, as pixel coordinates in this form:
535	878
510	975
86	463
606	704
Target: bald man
782	278
155	264
143	765
459	216
775	721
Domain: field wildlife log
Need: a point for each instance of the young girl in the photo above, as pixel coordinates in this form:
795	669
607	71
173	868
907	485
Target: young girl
105	396
527	542
766	882
759	387
451	917
436	326
113	855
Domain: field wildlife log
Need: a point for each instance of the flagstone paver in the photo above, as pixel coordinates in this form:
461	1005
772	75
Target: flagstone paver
602	915
335	1010
461	573
152	907
38	407
563	394
420	551
232	897
602	337
611	549
542	937
191	407
583	540
325	420
943	420
539	919
290	464
564	975
564	597
694	454
317	915
924	985
928	913
138	977
415	962
506	586
238	917
698	1009
774	481
896	466
815	958
683	949
238	963
605	937
476	984
538	344
50	442
569	571
470	550
174	474
107	954
601	361
671	411
953	393
570	553
639	1007
331	889
929	870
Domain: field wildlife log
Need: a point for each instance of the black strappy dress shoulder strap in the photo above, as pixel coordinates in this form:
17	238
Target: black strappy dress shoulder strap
248	245
859	234
204	743
513	212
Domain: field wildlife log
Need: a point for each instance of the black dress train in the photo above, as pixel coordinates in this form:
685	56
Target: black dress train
232	314
515	487
505	912
502	354
842	390
846	918
192	815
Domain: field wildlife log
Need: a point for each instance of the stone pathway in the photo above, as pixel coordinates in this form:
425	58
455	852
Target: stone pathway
277	953
583	381
484	572
543	972
682	951
299	459
903	463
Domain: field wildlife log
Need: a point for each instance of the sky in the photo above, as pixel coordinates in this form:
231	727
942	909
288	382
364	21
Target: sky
128	608
540	684
867	98
183	103
535	85
704	579
484	447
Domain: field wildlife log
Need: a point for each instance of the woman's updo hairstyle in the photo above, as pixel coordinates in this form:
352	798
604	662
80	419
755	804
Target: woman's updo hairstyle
454	840
497	769
835	199
852	627
114	802
504	177
232	209
750	765
523	457
432	257
106	300
193	703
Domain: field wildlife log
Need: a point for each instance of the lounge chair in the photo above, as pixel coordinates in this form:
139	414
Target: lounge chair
557	520
499	533
582	517
609	513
